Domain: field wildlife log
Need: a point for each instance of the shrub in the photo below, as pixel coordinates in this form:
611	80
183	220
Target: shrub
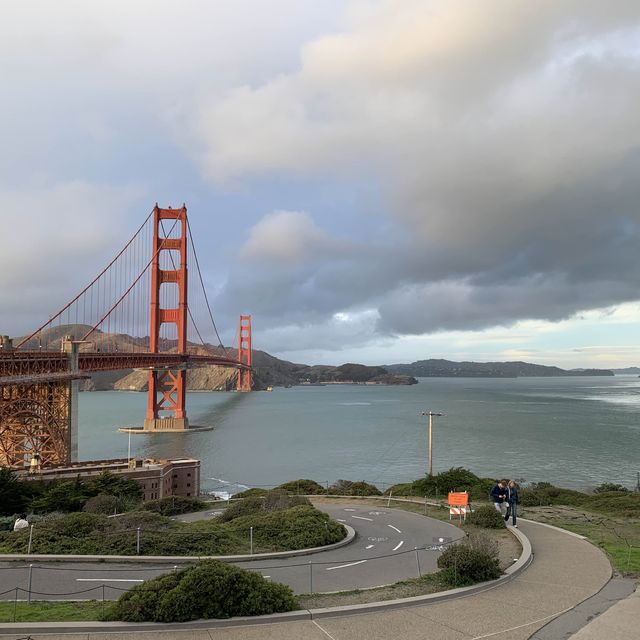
349	488
401	489
250	493
175	505
296	528
622	503
272	501
463	564
544	494
302	487
210	589
455	479
488	517
606	487
102	503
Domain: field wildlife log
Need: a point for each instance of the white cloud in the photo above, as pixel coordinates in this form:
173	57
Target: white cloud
289	237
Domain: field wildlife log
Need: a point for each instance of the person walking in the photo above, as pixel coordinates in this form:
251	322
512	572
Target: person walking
512	501
499	496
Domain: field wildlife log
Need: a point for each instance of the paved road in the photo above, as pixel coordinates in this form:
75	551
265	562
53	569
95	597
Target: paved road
383	552
564	572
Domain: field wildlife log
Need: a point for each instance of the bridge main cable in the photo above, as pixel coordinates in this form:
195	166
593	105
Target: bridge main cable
57	315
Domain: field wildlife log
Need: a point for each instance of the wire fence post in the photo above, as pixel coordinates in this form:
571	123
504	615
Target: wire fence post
418	563
389	500
425	505
310	577
15	605
30	539
103	599
138	541
327	483
251	540
29	585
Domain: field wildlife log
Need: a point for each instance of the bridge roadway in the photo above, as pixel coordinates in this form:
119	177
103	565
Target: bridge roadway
39	366
382	553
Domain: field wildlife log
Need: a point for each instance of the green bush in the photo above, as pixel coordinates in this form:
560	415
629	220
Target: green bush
349	488
606	487
401	489
296	528
544	494
175	505
102	503
271	501
620	503
488	517
455	479
463	564
302	487
210	589
250	493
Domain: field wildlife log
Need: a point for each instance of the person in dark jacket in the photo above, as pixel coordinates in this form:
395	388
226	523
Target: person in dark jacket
512	501
499	496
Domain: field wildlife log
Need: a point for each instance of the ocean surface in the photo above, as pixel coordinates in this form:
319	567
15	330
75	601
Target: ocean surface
573	432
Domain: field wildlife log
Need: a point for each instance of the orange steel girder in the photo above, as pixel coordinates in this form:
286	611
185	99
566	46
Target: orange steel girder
244	354
35	419
167	389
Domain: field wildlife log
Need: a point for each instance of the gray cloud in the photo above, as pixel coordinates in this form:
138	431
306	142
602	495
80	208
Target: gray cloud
505	139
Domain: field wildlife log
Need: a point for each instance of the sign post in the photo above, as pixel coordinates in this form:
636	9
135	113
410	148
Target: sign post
458	504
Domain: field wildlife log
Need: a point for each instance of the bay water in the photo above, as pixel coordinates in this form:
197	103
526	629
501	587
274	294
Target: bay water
574	432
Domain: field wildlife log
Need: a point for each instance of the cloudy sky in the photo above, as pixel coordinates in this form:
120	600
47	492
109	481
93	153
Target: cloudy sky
373	180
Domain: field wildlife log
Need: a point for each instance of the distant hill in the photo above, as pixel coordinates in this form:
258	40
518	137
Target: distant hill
627	371
449	369
269	371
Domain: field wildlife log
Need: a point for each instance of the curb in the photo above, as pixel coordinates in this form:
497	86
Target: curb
514	570
174	560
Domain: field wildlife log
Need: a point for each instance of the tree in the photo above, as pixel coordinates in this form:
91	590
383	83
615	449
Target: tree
12	497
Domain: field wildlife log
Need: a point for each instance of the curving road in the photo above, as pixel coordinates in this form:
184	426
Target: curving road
390	545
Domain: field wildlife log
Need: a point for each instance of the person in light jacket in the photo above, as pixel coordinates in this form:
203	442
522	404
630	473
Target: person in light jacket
512	501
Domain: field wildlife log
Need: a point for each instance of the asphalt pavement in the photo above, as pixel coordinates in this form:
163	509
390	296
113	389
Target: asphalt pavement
390	545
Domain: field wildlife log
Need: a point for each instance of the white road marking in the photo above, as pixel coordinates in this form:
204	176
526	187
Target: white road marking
326	633
362	518
266	576
398	545
106	580
338	519
342	566
394	528
369	546
349	509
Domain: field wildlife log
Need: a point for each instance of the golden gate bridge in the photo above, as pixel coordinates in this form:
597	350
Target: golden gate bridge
137	313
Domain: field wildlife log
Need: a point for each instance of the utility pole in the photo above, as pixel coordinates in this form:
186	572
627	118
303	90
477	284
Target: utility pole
431	415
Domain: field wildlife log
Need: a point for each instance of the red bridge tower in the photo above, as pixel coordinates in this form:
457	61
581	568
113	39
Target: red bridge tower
167	388
244	353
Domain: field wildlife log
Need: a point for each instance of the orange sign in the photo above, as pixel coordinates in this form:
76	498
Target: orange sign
459	499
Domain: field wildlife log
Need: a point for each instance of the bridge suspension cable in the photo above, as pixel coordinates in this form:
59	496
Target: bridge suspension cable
88	287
